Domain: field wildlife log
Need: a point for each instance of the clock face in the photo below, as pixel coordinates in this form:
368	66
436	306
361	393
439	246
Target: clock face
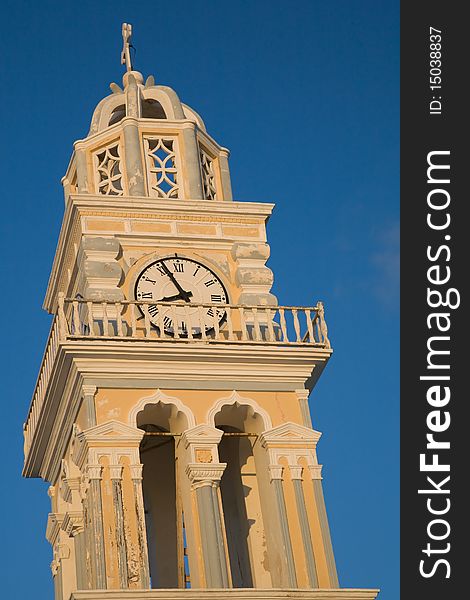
185	283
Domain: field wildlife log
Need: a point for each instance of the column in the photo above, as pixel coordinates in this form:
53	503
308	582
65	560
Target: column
315	472
302	395
89	392
96	539
74	527
82	170
275	472
225	175
296	476
191	163
133	156
115	472
136	475
205	480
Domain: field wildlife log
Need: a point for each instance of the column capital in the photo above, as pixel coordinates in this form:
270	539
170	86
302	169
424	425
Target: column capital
315	471
201	474
302	394
94	471
296	471
73	523
275	472
115	472
136	472
89	390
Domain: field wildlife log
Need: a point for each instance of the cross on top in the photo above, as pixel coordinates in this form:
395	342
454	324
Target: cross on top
126	44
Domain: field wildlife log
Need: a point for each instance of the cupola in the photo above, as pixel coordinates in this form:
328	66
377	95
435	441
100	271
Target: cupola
143	141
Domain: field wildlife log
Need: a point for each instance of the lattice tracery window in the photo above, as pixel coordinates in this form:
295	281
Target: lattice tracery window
208	176
162	167
108	169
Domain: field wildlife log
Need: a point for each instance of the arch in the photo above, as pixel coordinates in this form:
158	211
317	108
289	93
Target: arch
118	113
236	400
168	98
160	397
152	109
192	115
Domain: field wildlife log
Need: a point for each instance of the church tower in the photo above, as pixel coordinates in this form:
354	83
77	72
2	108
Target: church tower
170	414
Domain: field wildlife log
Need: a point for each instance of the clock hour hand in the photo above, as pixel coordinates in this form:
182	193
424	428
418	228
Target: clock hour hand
182	293
173	298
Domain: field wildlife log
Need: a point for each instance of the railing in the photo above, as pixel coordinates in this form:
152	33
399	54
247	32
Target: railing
42	382
191	322
80	320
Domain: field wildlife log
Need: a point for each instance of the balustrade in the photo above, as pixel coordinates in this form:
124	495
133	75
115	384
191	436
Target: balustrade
79	320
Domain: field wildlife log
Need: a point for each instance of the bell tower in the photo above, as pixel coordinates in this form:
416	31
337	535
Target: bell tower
170	414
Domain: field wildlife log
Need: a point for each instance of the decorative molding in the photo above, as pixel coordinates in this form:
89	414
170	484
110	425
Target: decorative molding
73	523
236	399
315	471
296	472
201	434
53	527
112	438
115	472
201	474
302	394
94	472
291	434
136	472
229	594
275	472
157	397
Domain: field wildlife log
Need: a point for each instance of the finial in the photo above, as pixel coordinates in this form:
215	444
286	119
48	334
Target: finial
126	44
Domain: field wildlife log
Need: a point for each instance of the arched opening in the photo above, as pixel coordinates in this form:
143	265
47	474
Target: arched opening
152	109
162	502
117	115
240	493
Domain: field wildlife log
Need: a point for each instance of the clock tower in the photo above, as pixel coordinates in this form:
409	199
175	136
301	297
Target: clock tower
170	414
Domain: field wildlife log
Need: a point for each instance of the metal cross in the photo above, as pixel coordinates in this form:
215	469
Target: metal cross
126	44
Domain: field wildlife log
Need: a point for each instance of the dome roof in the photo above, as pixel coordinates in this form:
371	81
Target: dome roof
142	101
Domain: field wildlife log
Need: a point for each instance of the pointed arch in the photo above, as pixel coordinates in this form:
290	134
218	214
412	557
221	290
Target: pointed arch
233	400
161	397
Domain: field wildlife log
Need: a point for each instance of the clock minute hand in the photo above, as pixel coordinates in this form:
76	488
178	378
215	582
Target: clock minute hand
183	294
172	298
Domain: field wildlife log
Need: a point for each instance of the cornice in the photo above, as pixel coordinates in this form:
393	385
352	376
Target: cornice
171	364
138	205
229	594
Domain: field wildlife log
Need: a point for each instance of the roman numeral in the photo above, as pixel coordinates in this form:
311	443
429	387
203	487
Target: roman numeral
146	294
216	298
153	310
179	267
149	280
197	269
210	282
210	312
167	322
160	269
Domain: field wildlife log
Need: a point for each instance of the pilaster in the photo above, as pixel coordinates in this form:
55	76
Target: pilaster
205	480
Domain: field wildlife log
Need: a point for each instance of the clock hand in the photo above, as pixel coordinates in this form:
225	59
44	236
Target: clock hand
184	295
171	298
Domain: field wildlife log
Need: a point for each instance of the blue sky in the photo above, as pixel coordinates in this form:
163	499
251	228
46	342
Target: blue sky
305	95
